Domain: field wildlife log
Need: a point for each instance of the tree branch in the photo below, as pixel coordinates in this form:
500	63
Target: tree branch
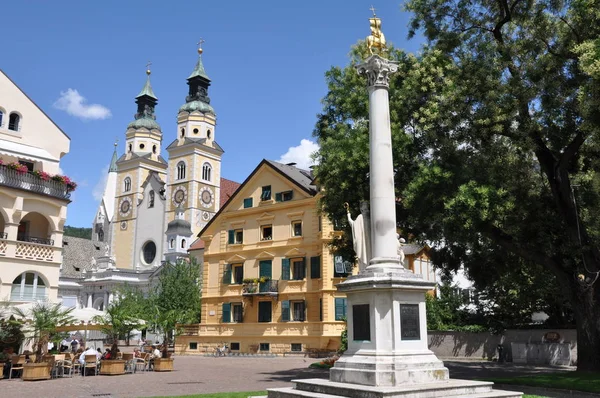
571	150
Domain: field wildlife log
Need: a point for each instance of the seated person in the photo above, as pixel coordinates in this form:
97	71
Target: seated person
106	354
89	351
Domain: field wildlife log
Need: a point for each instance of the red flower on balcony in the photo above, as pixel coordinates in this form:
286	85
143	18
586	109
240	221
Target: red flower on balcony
18	167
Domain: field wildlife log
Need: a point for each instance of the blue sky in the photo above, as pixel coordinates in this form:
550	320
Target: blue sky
266	60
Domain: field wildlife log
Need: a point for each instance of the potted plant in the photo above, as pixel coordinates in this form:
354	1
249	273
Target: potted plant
40	324
118	321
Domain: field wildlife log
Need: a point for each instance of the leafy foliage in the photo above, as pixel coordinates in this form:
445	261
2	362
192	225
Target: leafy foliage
119	320
77	232
495	127
42	321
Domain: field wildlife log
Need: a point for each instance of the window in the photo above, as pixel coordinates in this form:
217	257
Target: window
293	269
151	199
206	171
193	345
342	268
264	311
149	252
232	312
28	286
321	309
296	347
247	203
29	165
293	311
127	185
208	134
172	244
195	131
315	267
182	131
142	146
284	196
266	193
296	228
153	148
266	232
130	147
340	309
13	122
238	274
320	223
183	243
101	235
180	171
238	312
234	346
264	347
1	117
236	236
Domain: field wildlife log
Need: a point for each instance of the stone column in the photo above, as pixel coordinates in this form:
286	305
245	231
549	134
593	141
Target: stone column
90	297
381	168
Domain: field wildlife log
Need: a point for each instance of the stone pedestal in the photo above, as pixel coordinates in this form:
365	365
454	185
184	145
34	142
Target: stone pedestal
387	331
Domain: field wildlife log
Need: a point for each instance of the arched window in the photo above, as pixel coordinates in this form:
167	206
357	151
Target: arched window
1	116
29	286
151	199
130	147
206	171
180	171
182	131
127	185
172	243
13	122
153	148
101	235
183	243
208	134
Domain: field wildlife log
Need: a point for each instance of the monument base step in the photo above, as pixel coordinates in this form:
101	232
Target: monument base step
321	388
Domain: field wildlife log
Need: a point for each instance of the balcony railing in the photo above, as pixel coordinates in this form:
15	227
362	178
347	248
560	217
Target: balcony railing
36	239
269	287
29	182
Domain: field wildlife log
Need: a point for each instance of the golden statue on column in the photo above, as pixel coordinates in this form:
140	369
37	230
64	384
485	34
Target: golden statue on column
376	39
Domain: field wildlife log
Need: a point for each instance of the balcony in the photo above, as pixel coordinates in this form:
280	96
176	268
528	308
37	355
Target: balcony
29	182
35	239
267	288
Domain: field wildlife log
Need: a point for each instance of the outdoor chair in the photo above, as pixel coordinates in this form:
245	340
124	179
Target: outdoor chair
90	362
52	369
16	363
69	365
129	362
142	361
59	361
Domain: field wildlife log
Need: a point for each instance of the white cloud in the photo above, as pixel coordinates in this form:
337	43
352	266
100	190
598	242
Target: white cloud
98	189
74	104
301	154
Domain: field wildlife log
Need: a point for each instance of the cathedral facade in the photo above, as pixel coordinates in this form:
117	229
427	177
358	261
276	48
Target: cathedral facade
152	208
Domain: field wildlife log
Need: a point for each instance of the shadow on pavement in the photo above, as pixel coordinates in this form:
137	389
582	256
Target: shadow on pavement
485	369
288	375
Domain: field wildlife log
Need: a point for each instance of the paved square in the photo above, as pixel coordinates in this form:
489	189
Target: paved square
191	375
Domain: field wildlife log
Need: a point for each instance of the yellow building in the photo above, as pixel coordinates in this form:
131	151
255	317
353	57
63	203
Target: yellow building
268	273
33	198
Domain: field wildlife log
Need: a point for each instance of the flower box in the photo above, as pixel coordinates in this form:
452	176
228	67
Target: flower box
112	367
36	371
163	364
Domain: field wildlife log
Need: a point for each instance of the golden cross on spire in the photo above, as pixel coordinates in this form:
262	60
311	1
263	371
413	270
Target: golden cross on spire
148	71
200	45
373	10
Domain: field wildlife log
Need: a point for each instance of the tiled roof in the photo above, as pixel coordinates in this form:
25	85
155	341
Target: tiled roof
228	188
410	248
77	255
304	178
197	245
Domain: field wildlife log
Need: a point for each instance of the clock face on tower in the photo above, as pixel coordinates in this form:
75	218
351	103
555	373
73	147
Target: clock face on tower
179	195
125	207
206	197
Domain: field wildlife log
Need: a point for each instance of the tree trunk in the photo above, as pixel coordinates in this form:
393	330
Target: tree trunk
587	318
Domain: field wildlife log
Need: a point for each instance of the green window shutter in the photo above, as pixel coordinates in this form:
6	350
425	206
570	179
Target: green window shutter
227	275
285	269
320	309
231	236
285	311
226	312
315	267
340	309
265	268
303	312
247	203
278	197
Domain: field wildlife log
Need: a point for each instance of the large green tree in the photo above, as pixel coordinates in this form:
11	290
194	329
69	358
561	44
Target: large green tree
495	129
